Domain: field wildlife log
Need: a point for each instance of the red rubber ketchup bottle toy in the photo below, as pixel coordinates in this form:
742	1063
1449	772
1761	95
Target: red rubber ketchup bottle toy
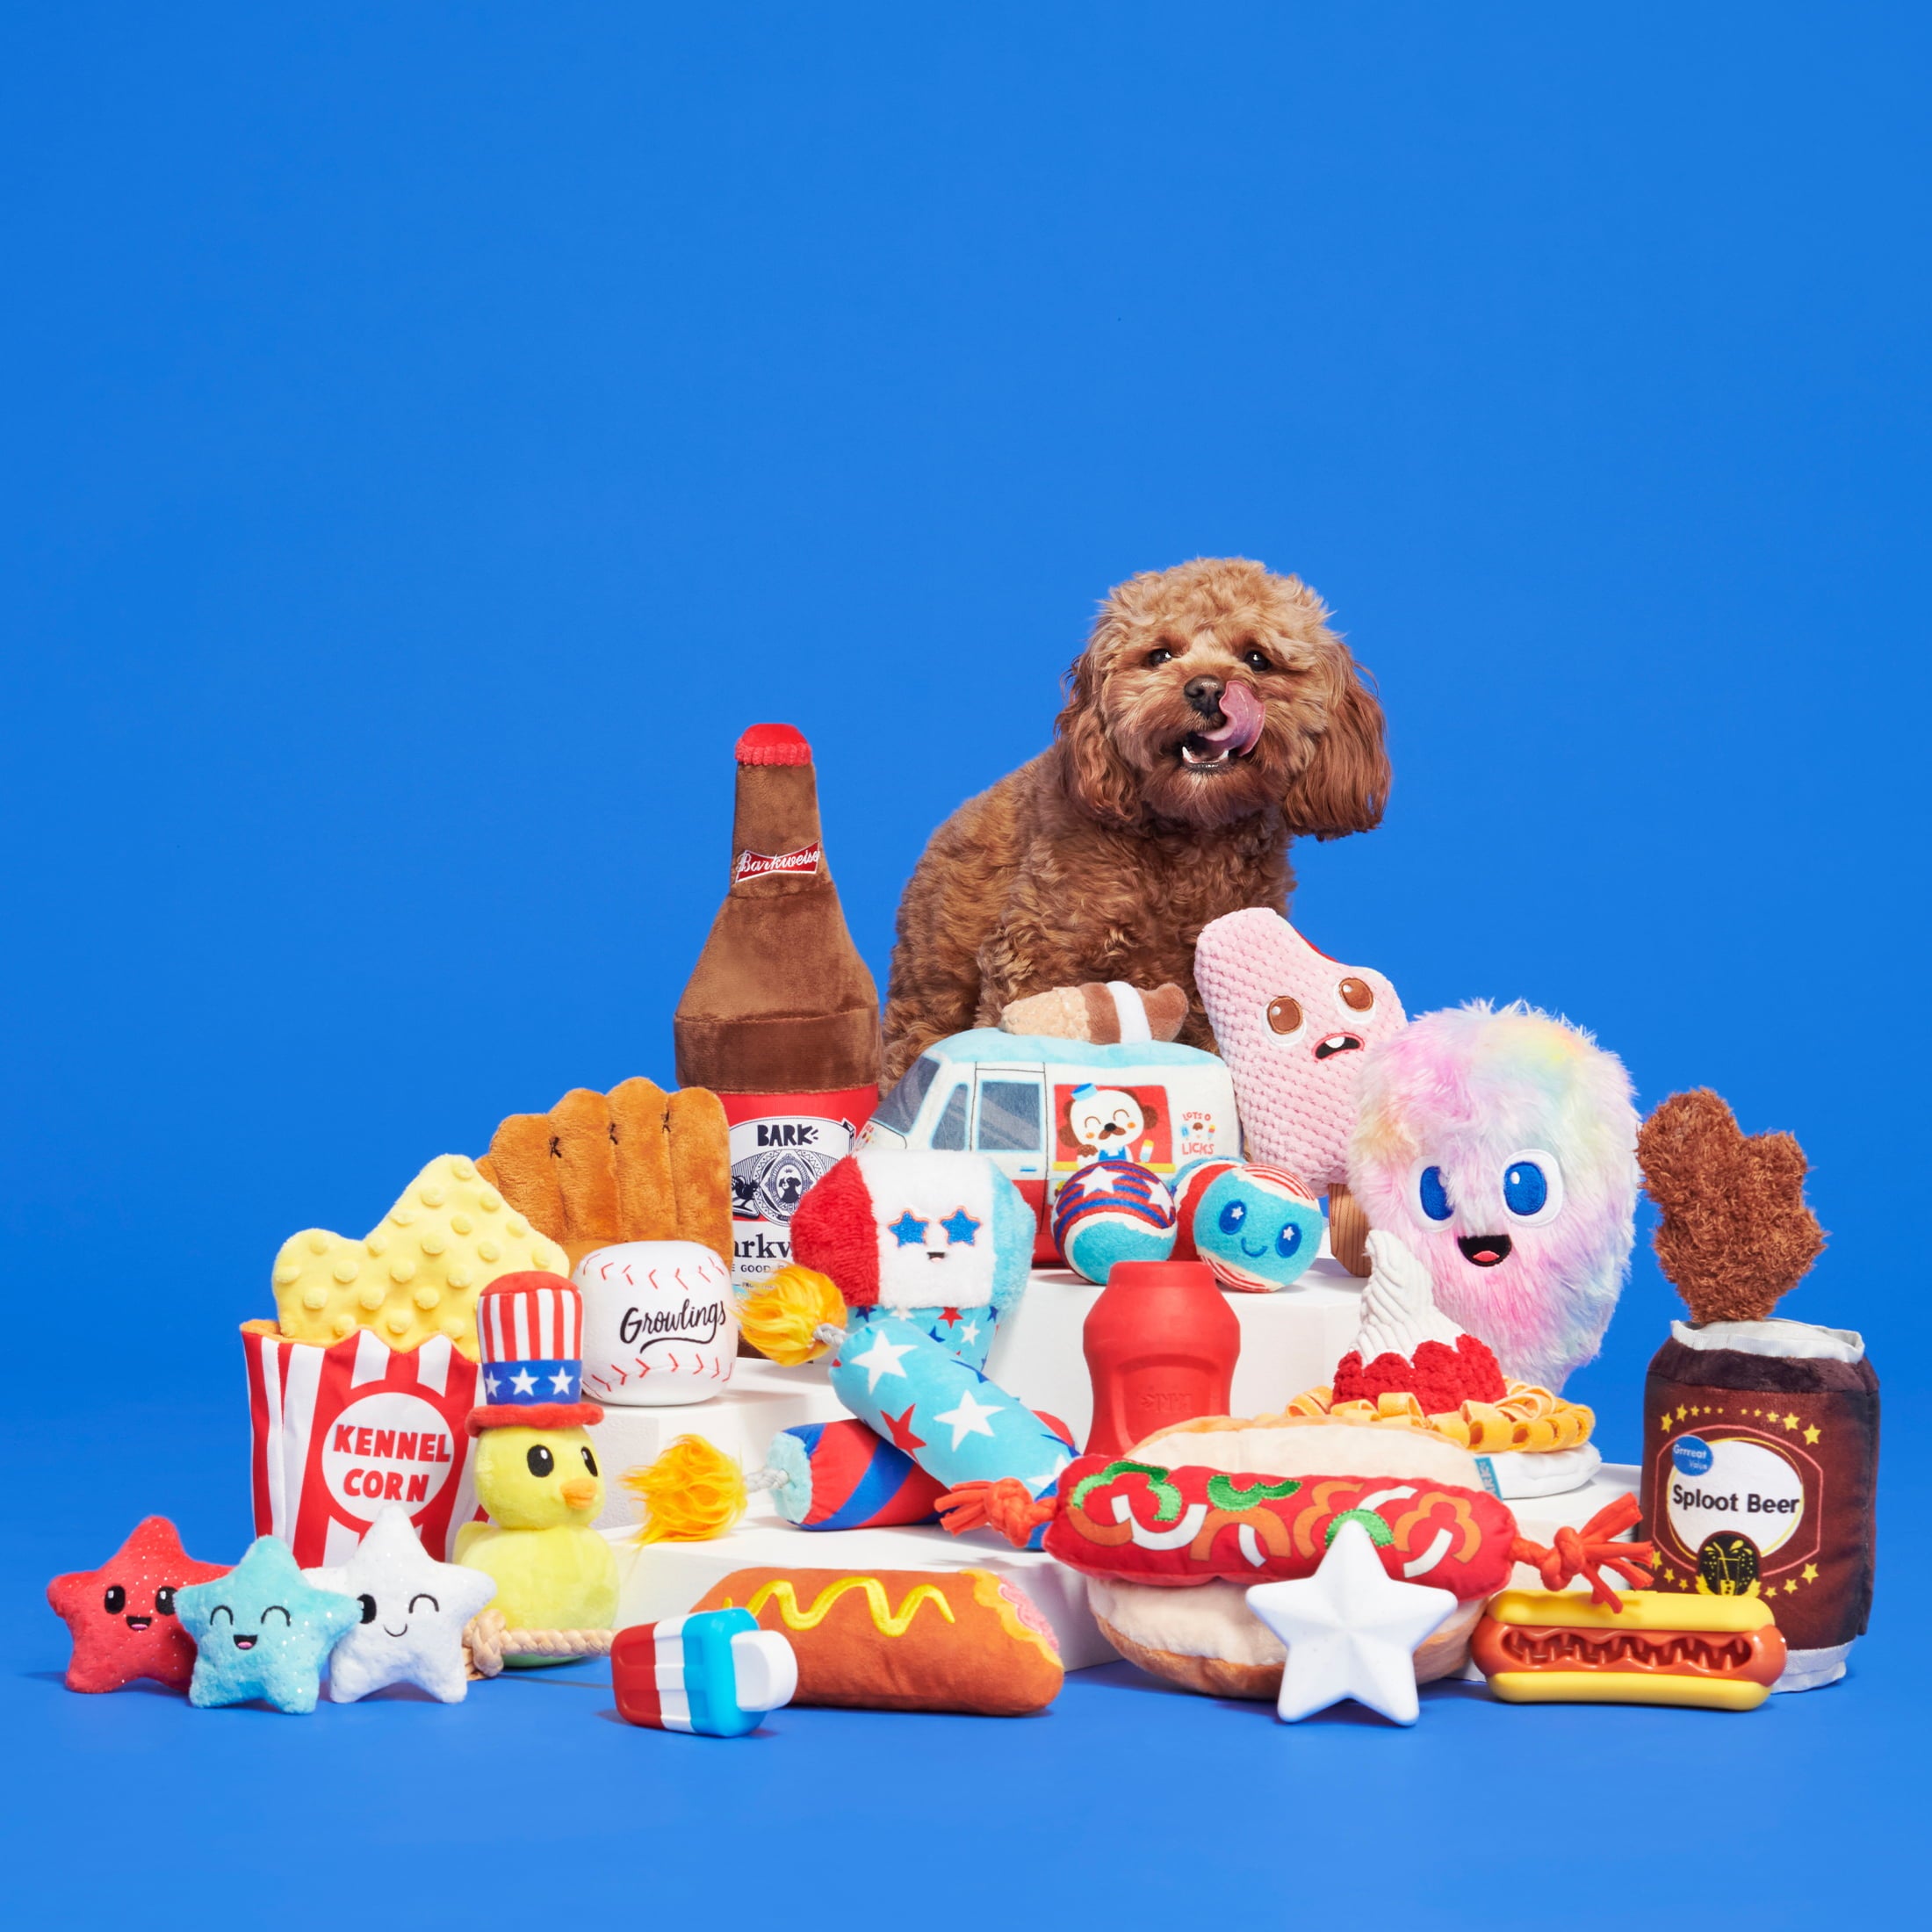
1161	1345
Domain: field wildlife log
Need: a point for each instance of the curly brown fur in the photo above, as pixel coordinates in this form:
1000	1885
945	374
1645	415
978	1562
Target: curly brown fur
1104	856
1736	1233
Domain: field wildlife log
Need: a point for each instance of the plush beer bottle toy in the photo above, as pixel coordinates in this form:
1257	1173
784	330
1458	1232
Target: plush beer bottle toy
780	1018
1760	1435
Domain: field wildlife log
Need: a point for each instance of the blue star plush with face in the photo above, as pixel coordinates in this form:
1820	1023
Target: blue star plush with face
910	1229
263	1631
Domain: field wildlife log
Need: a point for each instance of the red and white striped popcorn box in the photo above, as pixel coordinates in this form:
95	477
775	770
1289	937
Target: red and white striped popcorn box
338	1431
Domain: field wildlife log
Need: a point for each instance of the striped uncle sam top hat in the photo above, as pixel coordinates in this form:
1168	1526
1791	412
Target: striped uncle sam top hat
530	1326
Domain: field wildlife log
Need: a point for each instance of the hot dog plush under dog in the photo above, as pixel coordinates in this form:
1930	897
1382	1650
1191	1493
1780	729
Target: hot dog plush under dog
1171	1536
904	1639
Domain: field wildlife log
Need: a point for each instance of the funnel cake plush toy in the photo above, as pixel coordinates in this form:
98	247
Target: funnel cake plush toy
1294	1026
1501	1147
536	1472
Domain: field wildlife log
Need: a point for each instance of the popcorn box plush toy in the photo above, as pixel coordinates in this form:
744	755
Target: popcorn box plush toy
359	1391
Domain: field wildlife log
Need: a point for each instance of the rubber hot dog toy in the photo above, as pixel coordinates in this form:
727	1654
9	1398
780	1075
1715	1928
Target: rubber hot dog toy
964	1639
1545	1647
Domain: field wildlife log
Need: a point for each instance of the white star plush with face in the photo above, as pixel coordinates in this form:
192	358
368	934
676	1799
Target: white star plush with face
416	1635
881	1358
1351	1631
970	1419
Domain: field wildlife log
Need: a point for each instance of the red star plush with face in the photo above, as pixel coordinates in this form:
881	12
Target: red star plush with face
122	1615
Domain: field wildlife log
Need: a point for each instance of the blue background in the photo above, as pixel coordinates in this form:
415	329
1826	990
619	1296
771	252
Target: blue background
434	432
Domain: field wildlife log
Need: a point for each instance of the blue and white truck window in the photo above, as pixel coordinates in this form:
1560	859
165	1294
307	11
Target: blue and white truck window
1009	1116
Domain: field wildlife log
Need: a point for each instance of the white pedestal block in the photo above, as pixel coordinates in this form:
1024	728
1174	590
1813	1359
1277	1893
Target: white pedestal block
761	1399
658	1580
1290	1341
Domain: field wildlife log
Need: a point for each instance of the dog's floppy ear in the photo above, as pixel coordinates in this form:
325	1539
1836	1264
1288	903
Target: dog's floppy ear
1101	781
1343	787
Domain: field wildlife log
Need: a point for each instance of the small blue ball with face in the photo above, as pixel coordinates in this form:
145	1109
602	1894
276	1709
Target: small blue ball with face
1254	1231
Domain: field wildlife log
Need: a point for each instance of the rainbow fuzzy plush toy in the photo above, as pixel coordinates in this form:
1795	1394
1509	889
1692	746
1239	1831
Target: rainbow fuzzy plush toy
1501	1147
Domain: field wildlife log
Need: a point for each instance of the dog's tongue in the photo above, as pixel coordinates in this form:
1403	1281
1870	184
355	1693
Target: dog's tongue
1242	710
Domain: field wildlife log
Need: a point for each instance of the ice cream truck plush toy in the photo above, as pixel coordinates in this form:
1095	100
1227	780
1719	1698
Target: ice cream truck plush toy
1040	1108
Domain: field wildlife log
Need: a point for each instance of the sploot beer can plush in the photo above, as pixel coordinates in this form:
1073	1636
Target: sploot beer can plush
1760	1436
780	1018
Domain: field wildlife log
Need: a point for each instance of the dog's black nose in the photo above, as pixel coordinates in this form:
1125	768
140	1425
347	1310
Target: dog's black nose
1204	695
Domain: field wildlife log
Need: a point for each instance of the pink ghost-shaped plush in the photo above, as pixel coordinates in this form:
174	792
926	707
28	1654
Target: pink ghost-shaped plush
1502	1148
1293	1026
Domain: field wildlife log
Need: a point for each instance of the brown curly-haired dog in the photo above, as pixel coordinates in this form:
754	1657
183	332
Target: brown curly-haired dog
1735	1233
1149	814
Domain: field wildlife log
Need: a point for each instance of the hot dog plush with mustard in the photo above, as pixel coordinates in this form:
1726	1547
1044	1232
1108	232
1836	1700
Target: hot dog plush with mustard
965	1640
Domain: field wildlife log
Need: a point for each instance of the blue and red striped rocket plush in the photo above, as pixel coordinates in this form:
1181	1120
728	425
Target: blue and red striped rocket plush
926	1249
714	1673
843	1475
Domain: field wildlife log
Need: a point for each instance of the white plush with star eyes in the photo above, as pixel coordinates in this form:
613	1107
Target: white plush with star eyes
427	1602
1351	1631
925	1191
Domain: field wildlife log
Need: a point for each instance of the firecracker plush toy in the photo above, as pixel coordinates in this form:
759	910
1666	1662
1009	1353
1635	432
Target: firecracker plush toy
904	1264
123	1616
263	1631
1294	1026
1501	1147
536	1472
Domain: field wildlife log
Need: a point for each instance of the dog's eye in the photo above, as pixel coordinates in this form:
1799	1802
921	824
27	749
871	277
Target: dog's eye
1257	660
1160	654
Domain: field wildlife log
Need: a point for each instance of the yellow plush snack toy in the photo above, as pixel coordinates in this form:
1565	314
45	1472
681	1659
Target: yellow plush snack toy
418	1272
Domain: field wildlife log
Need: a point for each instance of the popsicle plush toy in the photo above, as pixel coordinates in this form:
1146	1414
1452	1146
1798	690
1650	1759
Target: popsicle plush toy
1294	1027
1501	1147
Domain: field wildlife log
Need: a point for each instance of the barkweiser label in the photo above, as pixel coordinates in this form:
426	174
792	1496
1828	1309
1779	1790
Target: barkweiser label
758	865
775	1158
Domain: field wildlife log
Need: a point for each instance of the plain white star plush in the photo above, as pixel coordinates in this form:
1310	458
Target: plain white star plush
970	1419
1351	1631
881	1358
416	1635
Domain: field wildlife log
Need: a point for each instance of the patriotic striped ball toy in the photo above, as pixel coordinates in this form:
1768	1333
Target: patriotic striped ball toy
1111	1211
1257	1227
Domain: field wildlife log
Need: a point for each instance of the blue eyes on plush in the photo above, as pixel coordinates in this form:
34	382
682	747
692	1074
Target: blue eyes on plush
1232	1216
1288	1241
1524	1189
1435	1196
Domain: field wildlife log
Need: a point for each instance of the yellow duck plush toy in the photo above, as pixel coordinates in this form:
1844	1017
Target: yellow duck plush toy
536	1472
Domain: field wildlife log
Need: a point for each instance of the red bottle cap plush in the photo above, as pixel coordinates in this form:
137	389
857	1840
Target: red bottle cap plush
122	1615
774	745
531	1327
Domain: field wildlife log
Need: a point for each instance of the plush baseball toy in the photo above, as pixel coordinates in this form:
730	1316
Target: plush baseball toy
1502	1147
1294	1026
